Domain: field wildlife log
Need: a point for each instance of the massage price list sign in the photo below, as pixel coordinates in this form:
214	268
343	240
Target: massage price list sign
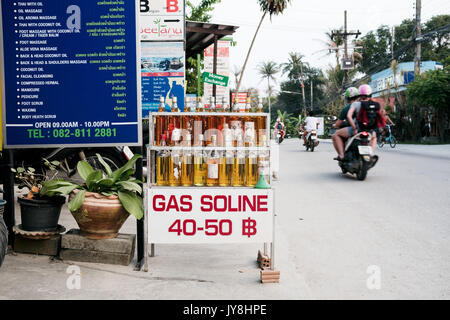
70	71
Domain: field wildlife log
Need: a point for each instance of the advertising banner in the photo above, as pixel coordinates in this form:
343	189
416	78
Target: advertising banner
210	215
162	20
70	73
223	69
162	75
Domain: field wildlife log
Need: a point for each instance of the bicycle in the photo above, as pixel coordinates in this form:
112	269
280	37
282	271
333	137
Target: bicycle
387	139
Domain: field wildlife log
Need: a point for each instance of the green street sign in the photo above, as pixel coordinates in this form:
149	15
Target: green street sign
216	79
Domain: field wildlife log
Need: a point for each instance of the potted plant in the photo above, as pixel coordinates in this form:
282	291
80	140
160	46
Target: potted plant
105	200
41	207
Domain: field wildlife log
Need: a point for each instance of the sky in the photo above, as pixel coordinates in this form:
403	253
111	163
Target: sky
301	28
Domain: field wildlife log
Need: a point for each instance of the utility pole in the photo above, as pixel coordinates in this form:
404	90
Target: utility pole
418	53
303	89
392	42
346	58
312	95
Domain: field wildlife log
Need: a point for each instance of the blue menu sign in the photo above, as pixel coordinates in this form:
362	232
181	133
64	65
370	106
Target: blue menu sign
71	73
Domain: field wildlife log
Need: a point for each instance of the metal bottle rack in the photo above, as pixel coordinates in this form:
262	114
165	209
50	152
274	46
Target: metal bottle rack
151	165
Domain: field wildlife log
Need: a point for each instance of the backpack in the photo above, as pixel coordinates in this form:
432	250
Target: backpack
368	114
279	127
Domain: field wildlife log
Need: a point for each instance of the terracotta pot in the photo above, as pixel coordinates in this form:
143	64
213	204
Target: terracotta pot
100	217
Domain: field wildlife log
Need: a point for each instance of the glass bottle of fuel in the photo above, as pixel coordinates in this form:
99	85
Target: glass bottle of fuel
175	160
251	166
200	169
212	162
211	123
187	123
162	164
226	159
161	122
187	164
264	160
236	124
249	125
260	124
239	164
199	122
174	121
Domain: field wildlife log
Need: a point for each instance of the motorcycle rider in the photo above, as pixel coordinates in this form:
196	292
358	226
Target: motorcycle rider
351	95
279	126
354	113
310	123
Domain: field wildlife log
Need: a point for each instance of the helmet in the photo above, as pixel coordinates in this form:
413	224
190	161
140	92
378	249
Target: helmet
365	90
351	93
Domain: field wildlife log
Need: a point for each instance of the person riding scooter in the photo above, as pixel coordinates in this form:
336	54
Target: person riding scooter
311	123
279	127
351	95
367	114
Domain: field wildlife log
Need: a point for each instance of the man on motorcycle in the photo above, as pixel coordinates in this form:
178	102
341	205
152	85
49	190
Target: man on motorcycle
351	95
364	120
311	123
279	127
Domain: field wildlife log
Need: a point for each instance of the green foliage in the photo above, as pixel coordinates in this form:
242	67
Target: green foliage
273	7
35	182
106	182
201	12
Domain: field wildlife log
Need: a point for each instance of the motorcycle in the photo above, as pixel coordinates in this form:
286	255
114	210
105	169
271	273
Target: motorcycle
279	136
358	158
312	141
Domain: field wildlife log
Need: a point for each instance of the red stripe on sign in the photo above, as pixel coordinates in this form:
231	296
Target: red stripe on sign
176	74
160	74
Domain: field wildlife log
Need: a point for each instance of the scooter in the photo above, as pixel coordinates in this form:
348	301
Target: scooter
358	158
279	136
312	141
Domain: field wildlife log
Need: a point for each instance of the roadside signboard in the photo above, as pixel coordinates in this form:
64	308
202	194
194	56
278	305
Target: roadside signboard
70	73
210	215
162	74
162	20
216	79
223	68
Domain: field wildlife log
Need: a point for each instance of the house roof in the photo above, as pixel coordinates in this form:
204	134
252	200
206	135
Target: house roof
200	35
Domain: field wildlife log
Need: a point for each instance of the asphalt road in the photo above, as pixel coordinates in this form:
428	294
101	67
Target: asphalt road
343	232
336	238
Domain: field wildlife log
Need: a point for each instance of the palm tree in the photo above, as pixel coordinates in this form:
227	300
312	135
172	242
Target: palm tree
267	70
272	7
294	69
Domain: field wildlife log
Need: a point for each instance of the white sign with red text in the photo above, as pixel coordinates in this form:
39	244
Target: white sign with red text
162	20
210	215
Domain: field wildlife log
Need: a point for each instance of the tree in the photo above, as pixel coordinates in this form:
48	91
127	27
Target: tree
268	70
294	66
432	89
272	7
200	13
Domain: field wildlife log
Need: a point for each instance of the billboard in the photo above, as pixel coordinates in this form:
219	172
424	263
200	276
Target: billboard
223	69
162	74
162	20
70	76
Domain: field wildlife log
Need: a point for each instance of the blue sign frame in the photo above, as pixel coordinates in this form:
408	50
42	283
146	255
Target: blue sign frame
70	73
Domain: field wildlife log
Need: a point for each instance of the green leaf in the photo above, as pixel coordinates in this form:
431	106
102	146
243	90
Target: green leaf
105	165
20	170
84	169
93	178
132	203
117	175
130	186
77	201
55	163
